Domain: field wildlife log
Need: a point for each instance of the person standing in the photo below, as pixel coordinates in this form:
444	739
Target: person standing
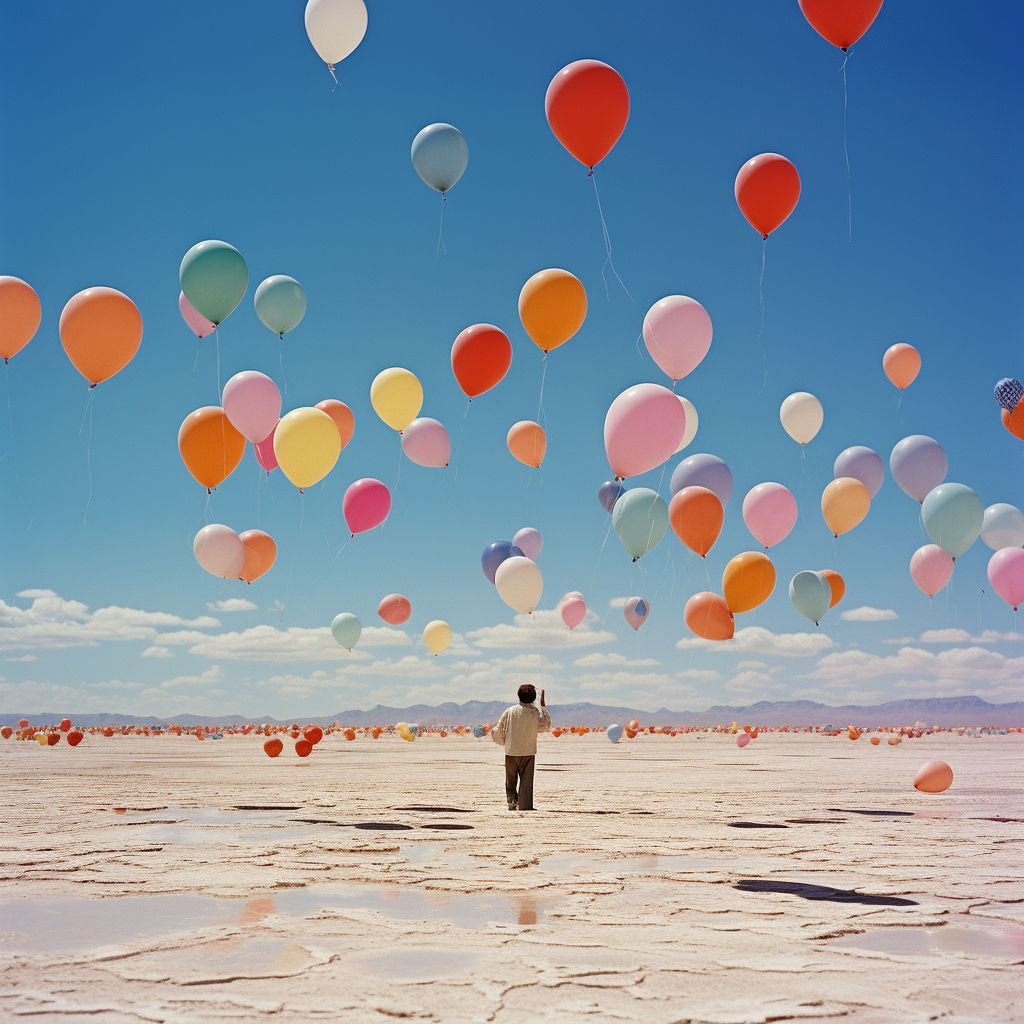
517	732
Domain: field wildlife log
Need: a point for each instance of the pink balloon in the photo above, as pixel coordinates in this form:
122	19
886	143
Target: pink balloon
643	428
931	568
198	323
769	510
742	740
427	443
220	551
265	452
252	404
636	611
366	504
1006	574
573	609
677	332
395	609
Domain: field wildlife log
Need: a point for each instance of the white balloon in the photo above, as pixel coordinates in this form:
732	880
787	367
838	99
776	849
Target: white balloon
1003	527
519	583
530	542
691	424
335	27
802	416
219	550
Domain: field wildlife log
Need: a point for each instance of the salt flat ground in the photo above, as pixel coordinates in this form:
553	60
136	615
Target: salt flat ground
234	887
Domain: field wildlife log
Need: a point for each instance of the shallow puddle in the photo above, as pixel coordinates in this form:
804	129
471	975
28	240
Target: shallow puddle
417	963
979	937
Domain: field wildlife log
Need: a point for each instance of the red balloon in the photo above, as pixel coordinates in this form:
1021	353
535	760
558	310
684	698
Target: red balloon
395	609
841	22
481	357
273	747
75	737
587	105
65	724
52	739
303	748
313	733
767	189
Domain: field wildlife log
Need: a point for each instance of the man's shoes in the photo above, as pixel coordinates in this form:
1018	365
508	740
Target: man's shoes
513	807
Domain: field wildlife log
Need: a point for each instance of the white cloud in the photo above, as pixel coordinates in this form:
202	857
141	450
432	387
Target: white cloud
24	657
296	643
868	614
114	684
542	628
758	640
156	652
703	675
961	636
751	664
601	659
211	676
753	682
618	602
232	604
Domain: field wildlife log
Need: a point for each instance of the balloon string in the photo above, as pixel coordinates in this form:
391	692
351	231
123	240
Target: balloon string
540	649
14	461
330	67
458	450
543	377
302	508
280	363
760	292
440	234
846	152
607	534
88	452
259	484
607	247
394	490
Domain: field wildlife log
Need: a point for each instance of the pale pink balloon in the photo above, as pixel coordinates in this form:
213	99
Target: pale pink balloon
573	609
366	504
1006	574
742	740
252	404
636	611
395	609
769	510
427	443
265	452
220	551
643	428
198	323
530	542
677	332
931	568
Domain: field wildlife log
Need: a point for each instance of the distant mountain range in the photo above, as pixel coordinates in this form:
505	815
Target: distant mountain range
967	711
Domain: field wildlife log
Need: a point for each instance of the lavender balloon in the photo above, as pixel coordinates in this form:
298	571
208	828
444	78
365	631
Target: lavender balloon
918	464
704	471
862	464
609	493
529	541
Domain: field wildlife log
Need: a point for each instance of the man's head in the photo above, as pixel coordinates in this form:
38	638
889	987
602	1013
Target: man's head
527	693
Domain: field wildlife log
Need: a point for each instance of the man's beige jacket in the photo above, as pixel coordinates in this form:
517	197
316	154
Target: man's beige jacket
518	729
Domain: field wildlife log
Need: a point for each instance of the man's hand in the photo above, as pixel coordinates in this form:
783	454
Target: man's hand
542	698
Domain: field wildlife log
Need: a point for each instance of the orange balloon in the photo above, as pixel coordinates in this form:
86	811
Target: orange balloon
260	554
696	516
342	416
552	307
708	616
100	329
875	741
748	581
210	446
6	732
837	584
844	503
1014	421
313	733
303	748
902	364
767	189
350	734
527	442
20	313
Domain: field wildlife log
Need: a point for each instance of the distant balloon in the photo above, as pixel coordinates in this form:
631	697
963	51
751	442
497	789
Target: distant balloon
496	553
1006	574
640	518
197	323
427	443
210	446
708	616
608	493
842	24
280	303
696	515
303	748
260	554
395	609
252	402
219	550
801	415
918	464
902	364
397	397
527	442
440	155
306	445
635	611
836	584
587	107
366	504
519	583
346	629
481	356
101	330
769	510
810	594
573	609
272	748
265	452
931	569
342	416
704	471
953	516
614	733
552	307
437	635
20	315
933	777
767	189
1003	527
1008	393
214	277
691	423
335	28
642	428
748	581
677	332
862	464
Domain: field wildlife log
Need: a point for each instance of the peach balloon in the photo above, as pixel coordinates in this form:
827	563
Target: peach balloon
260	554
836	583
844	503
902	364
527	442
210	446
101	330
696	515
933	777
748	581
395	609
20	314
552	307
342	416
708	616
875	741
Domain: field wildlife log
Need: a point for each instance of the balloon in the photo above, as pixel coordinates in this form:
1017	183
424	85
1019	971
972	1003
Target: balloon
748	581
197	323
614	733
394	609
306	446
219	550
405	732
427	443
6	732
519	583
481	357
101	330
1008	392
608	493
552	307
642	428
214	278
1003	527
260	554
529	541
767	189
437	635
1014	421
707	615
902	364
20	315
496	553
810	595
842	23
691	423
933	777
743	739
440	155
587	107
640	518
696	516
342	416
769	510
273	747
931	568
953	516
346	629
844	503
1006	574
397	397
366	504
303	748
65	724
75	737
836	584
573	609
862	464
280	303
636	610
703	471
252	402
527	442
677	333
335	28
918	464
265	452
802	415
209	445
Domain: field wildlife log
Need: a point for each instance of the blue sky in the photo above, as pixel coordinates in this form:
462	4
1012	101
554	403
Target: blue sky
130	133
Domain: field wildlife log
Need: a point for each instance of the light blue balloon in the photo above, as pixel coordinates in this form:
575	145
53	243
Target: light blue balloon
640	518
810	594
440	155
1004	527
478	731
346	629
953	516
214	278
280	303
614	733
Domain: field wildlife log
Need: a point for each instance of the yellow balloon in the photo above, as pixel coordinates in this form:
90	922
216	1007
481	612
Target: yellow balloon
307	445
397	397
405	732
437	635
552	307
844	503
41	738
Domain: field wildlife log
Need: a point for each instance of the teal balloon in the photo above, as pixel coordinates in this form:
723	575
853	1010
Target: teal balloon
280	303
346	629
811	595
640	518
214	278
614	733
440	155
953	516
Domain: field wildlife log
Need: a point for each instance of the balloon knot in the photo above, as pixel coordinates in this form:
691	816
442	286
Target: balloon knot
591	174
89	388
764	236
636	557
300	491
844	48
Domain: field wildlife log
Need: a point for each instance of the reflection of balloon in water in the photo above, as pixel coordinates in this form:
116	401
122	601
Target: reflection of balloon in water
366	504
769	510
642	428
1014	421
1008	393
704	471
635	611
810	594
273	747
844	503
640	518
918	464
573	609
395	609
496	553
953	516
527	442
696	516
529	541
902	364
933	777
265	452
214	278
397	397
306	445
801	415
197	323
608	493
931	568
101	330
1003	527
210	446
519	583
691	423
252	402
842	23
219	550
742	739
437	635
20	315
481	356
748	581
862	464
260	554
837	585
335	28
614	733
677	332
342	416
280	303
767	189
1006	574
552	307
346	629
587	107
440	155
427	443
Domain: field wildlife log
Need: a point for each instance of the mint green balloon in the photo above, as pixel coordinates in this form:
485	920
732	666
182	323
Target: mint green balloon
214	278
280	303
640	518
811	595
953	516
346	629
